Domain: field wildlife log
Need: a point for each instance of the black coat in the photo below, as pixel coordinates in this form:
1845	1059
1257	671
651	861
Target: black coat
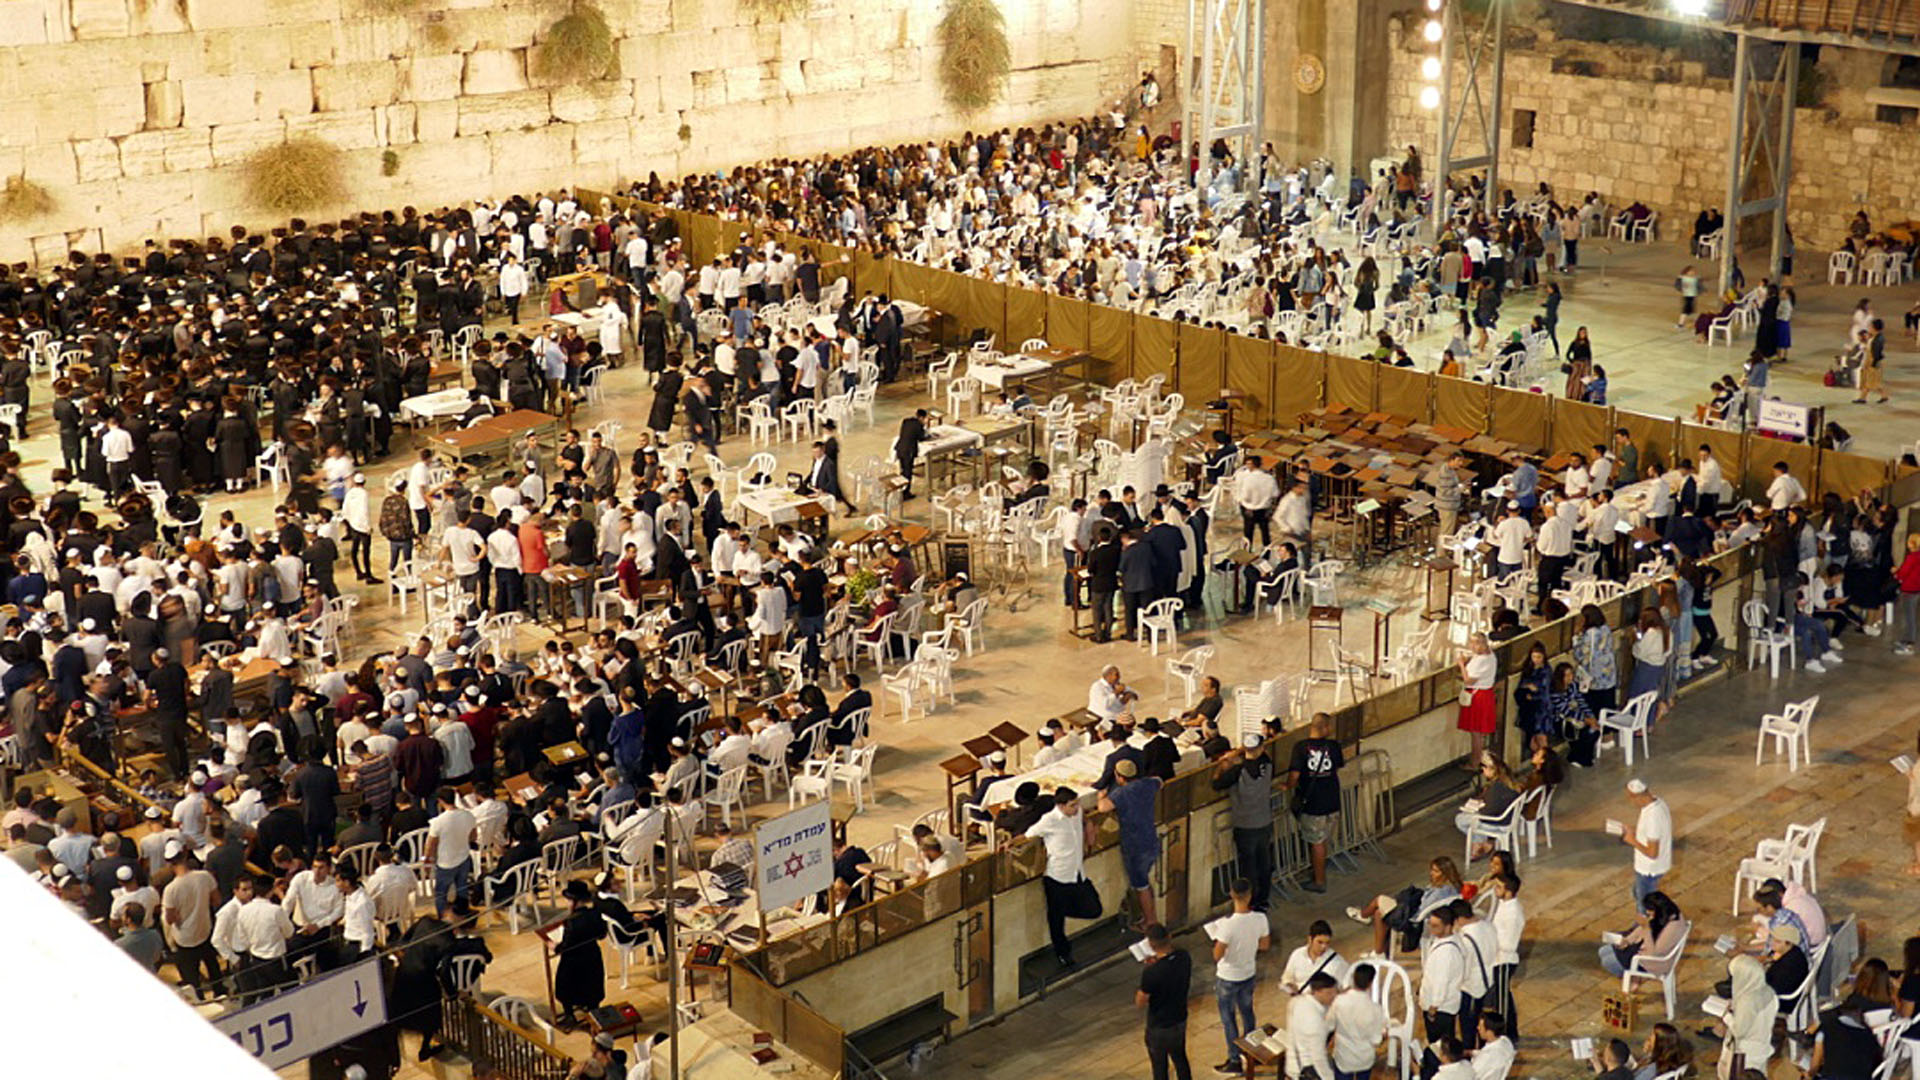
580	978
666	394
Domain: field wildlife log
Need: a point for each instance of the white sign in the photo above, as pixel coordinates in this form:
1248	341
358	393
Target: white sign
1785	418
793	856
300	1023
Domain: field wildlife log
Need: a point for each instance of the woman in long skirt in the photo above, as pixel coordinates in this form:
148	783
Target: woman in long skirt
1478	669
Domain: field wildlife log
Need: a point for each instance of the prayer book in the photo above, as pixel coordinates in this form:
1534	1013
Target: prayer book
1611	938
1140	950
1215	928
1715	1006
1615	828
1902	764
1582	1049
1725	944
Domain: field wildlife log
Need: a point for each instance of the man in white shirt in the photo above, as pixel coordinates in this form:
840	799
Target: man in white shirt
190	813
465	548
1785	491
116	449
1441	973
1510	538
1108	698
1650	837
503	552
1555	545
314	896
1446	1060
513	286
1064	832
450	850
262	930
1711	480
356	510
1308	1030
357	925
1479	950
456	744
1509	921
1238	940
1358	1026
419	482
186	910
1495	1056
1293	520
1255	491
1315	956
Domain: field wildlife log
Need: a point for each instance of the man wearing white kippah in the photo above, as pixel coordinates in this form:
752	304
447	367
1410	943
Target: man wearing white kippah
1651	837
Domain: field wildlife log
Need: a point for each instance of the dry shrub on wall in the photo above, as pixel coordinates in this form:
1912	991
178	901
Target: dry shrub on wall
579	48
23	200
974	58
299	174
775	10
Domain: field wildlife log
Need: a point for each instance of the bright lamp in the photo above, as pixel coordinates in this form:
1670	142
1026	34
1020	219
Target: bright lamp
1429	97
1434	30
1430	68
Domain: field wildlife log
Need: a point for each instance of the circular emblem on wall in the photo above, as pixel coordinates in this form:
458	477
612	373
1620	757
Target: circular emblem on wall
1309	74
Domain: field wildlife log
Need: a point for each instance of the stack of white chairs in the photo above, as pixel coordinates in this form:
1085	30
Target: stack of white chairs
1789	858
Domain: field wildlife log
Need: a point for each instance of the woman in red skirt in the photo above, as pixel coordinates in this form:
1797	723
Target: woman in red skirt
1478	668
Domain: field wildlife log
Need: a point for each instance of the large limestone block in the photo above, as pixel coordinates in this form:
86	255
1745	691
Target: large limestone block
164	105
550	146
150	18
639	16
603	142
219	99
95	160
504	27
450	166
284	93
51	164
234	143
398	124
241	52
149	153
830	76
80	113
432	78
655	145
231	14
99	19
434	121
504	112
709	89
352	129
494	71
74	64
23	22
676	91
602	100
355	86
362	41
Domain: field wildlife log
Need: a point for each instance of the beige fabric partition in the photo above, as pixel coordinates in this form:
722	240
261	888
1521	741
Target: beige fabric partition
1250	372
1846	474
1203	362
1350	382
1026	317
1299	384
836	262
1405	392
1066	322
913	283
1577	426
985	307
1762	453
1654	435
1520	416
702	236
1729	448
871	274
1460	403
1110	340
1153	349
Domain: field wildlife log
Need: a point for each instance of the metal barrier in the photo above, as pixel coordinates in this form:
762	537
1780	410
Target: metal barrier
482	1035
792	1023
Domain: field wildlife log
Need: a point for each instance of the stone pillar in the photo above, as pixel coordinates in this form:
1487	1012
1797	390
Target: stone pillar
1345	119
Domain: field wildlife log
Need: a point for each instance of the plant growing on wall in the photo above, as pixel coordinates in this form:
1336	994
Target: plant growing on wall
389	162
578	48
299	174
974	57
775	10
23	200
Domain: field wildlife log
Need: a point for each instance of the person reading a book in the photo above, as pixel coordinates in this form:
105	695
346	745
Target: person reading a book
1166	977
1612	1060
1651	838
1498	789
1665	1051
1408	911
1316	956
1308	1031
1448	1061
1657	928
1746	1023
1238	940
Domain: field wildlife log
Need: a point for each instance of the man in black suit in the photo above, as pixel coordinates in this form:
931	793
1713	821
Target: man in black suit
823	474
906	449
839	732
1167	544
713	511
1103	580
697	404
1197	525
1137	578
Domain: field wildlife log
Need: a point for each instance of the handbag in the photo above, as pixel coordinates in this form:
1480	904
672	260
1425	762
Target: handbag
1082	901
1466	697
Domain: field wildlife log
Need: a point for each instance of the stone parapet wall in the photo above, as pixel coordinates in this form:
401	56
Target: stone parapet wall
1657	132
136	114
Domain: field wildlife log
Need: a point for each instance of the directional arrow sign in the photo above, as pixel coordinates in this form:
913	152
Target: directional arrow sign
301	1022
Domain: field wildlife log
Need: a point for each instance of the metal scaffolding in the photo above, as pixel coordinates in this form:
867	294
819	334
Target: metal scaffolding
1226	81
1485	51
1759	150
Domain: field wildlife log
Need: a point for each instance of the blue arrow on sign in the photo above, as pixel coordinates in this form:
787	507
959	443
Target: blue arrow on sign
359	1000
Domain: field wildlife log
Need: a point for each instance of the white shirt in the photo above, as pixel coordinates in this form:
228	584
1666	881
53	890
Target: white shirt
1255	489
357	920
464	546
1482	668
116	445
503	549
1492	1061
1104	701
319	902
1509	921
456	742
354	508
1065	837
454	830
1440	976
1480	950
1241	932
145	896
1358	1026
513	280
769	612
1556	534
1512	536
1307	1033
190	814
1602	473
1785	491
1300	967
263	929
226	931
1655	827
419	478
1291	517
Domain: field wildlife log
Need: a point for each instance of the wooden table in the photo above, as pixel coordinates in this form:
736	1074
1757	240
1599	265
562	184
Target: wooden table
494	435
445	373
564	579
959	769
1011	735
1060	358
566	753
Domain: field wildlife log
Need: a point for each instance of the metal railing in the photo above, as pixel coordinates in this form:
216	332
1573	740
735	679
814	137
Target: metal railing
482	1035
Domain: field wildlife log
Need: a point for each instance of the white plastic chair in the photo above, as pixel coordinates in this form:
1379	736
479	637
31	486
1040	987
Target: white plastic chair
963	397
1637	970
1503	829
970	625
905	684
1764	640
1840	268
729	793
1158	619
272	463
518	888
402	580
626	945
1540	822
1789	859
1323	579
1789	731
1288	592
762	425
1630	721
1188	670
520	1012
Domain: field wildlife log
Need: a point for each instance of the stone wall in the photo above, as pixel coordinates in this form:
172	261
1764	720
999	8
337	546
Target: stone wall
136	113
1654	129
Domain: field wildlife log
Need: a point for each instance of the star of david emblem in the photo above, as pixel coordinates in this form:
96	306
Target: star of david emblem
795	863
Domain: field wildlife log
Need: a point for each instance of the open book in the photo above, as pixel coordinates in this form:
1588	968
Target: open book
1902	764
1724	944
1615	828
1216	928
1582	1049
1715	1006
1612	938
1140	950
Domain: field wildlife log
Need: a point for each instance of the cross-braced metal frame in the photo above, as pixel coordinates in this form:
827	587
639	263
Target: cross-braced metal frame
1759	150
1484	49
1226	92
